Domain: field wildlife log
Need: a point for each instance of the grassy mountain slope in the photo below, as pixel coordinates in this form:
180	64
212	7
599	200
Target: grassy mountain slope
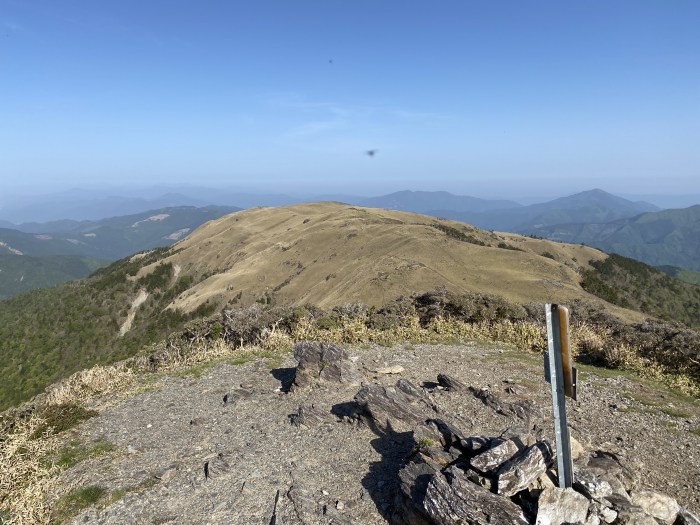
327	254
668	237
330	253
19	274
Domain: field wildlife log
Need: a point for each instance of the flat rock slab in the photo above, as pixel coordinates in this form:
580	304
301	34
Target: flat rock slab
321	361
518	473
463	502
495	457
561	506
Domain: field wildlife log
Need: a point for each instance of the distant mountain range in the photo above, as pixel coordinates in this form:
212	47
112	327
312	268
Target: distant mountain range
635	229
59	251
430	201
668	237
588	206
96	204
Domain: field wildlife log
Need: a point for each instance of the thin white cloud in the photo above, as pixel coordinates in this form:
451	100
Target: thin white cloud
290	101
406	114
313	129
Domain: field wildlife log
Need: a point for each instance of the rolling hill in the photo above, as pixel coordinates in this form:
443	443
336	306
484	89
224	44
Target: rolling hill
324	254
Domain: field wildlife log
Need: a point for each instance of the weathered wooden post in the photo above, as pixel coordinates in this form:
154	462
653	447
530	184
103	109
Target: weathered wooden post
562	376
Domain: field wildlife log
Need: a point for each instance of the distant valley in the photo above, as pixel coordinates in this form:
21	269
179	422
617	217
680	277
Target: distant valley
51	253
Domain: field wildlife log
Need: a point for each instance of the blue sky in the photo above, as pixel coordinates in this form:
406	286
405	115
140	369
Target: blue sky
486	98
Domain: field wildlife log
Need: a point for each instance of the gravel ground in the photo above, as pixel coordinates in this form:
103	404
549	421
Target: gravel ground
184	457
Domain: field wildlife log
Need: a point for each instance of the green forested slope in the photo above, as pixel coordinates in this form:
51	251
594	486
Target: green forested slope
635	285
668	237
49	333
21	273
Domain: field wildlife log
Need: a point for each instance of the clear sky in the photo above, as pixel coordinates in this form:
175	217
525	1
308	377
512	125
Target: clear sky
486	98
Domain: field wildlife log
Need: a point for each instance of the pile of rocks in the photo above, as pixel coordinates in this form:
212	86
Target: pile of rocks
453	479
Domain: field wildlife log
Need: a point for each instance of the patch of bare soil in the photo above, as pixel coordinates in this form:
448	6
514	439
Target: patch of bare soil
220	448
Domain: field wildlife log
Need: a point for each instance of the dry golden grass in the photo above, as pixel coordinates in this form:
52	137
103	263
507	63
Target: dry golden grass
91	383
25	480
330	254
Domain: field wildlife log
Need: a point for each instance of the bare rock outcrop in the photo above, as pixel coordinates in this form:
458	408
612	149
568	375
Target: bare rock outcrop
451	479
320	361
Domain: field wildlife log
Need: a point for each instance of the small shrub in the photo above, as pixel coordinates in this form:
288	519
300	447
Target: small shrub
619	355
75	501
457	234
328	322
506	246
675	412
74	452
59	418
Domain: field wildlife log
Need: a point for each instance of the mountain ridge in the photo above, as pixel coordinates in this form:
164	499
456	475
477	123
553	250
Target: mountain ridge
667	237
328	255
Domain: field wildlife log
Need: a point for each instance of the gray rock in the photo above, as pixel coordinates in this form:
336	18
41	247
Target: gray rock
391	408
559	506
524	468
685	517
591	485
481	480
494	457
461	501
413	485
661	507
325	362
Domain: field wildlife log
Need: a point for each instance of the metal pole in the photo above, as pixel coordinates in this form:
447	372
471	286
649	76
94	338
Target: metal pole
556	376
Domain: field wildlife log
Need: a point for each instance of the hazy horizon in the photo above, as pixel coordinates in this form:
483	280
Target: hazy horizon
497	100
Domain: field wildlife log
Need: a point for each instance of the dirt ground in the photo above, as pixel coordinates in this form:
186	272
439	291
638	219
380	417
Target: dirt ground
183	456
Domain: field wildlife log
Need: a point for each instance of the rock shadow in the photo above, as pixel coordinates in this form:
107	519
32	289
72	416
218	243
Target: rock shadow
285	376
382	481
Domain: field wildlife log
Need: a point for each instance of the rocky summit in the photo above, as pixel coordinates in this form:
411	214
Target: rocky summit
414	434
